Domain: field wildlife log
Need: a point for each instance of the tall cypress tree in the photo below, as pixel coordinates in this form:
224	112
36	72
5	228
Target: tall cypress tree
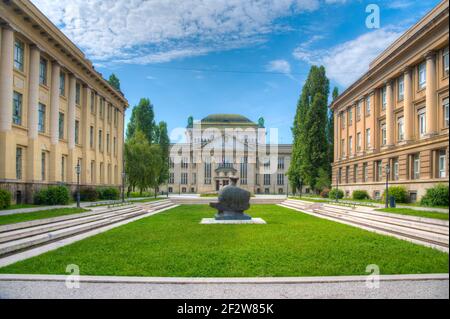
142	119
310	148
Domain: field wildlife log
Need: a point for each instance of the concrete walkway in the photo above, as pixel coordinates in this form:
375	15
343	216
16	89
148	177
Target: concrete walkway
346	287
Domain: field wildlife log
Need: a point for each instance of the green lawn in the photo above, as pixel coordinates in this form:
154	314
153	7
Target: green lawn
413	212
18	218
19	206
173	243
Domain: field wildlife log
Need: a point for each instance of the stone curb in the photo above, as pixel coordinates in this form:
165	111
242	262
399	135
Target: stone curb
233	280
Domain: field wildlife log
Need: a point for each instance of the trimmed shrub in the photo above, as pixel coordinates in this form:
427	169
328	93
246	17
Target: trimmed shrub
436	196
52	195
399	192
88	194
325	193
336	193
360	195
109	193
5	199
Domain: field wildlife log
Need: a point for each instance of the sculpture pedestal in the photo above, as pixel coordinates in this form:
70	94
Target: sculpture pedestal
232	216
213	221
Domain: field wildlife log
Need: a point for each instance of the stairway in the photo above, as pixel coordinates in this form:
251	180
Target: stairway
426	231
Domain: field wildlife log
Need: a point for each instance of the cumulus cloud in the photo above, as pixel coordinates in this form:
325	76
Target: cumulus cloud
346	62
155	31
281	66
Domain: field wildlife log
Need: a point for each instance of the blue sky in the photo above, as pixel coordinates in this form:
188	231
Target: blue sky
198	57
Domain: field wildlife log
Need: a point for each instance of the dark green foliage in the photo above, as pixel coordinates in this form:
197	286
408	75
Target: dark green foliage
114	81
52	195
5	198
360	194
339	193
143	120
88	194
436	196
399	192
108	193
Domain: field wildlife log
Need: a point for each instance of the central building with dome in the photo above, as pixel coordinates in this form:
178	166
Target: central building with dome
222	146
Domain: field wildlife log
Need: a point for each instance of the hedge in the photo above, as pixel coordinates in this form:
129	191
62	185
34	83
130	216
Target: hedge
436	196
5	199
108	193
360	194
52	195
88	194
399	192
336	192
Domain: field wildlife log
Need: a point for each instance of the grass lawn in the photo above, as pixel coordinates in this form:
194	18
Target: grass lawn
173	243
18	218
19	206
414	212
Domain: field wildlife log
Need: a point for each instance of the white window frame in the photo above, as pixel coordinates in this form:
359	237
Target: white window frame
400	128
401	88
422	122
442	164
422	75
368	138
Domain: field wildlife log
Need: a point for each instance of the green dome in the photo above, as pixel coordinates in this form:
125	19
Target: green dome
226	118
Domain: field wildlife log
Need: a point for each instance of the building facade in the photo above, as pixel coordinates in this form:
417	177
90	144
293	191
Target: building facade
56	110
228	145
394	121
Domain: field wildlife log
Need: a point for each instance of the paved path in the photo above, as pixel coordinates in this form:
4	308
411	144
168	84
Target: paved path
433	287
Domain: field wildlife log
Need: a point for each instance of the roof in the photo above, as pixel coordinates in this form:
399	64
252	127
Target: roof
226	118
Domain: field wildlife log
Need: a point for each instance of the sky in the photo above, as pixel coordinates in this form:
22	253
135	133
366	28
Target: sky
251	57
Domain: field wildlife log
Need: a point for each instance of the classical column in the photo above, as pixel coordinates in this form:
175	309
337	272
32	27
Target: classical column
55	158
33	152
336	139
389	114
408	110
7	145
85	127
430	92
71	162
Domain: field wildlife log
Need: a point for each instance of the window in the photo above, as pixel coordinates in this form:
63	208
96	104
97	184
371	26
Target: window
358	142
19	163
171	163
280	179
358	111
416	166
18	55
350	145
92	102
266	179
368	106
78	94
343	148
422	123
355	173
62	84
63	168
442	164
365	172
43	166
343	120
367	138
395	170
171	178
401	88
400	129
350	117
107	142
43	72
91	137
100	140
422	76
383	134
347	174
41	118
102	107
77	132
17	108
184	163
61	125
207	173
445	60
244	170
340	175
184	178
280	162
379	166
383	98
445	103
115	146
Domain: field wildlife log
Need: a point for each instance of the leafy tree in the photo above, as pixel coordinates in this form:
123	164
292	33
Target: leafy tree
142	119
330	132
323	181
114	81
164	144
310	148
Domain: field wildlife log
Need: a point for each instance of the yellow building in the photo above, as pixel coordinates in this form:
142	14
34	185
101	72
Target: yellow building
397	115
56	110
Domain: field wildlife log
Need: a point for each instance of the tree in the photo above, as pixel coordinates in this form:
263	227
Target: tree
142	119
330	132
114	81
164	144
310	148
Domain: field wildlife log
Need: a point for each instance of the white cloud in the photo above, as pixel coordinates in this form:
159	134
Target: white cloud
346	62
155	31
280	66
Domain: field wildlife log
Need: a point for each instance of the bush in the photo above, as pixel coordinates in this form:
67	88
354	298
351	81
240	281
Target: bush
5	199
436	196
336	193
325	193
109	193
399	192
360	195
53	195
88	194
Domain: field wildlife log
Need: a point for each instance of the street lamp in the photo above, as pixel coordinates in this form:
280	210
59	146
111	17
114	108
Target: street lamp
78	170
388	171
124	175
338	177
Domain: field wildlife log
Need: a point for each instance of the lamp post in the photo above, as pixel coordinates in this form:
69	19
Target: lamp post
301	187
388	171
124	175
78	170
338	177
